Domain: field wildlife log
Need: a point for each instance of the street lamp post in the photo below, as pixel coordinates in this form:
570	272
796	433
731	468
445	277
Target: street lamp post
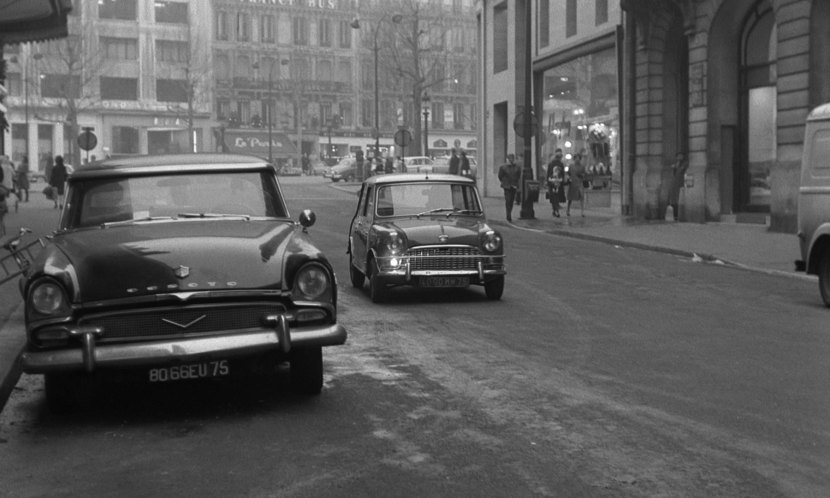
396	18
426	100
269	110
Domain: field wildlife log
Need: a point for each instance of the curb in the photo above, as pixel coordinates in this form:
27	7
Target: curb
10	369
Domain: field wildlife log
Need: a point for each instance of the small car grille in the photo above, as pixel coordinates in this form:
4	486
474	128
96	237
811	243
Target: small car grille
179	321
443	258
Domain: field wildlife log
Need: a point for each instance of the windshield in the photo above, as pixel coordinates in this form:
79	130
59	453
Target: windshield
111	200
417	199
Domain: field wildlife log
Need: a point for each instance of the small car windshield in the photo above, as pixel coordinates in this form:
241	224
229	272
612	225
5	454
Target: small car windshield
148	198
412	199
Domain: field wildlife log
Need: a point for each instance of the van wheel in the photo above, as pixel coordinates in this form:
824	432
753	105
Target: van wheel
494	288
356	277
824	277
377	289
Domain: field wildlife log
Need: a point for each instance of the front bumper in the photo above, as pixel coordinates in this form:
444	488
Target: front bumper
398	270
90	356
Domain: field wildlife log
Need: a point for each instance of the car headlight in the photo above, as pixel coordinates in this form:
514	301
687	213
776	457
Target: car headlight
394	243
48	298
492	241
312	283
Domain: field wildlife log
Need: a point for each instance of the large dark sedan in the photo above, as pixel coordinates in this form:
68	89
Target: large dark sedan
173	268
426	231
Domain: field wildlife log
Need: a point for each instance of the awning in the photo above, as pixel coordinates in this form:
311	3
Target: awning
256	143
23	21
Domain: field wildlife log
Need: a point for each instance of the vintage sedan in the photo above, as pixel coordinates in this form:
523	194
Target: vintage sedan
173	268
425	231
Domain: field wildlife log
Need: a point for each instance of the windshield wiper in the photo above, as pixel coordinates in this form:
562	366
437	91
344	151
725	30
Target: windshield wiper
135	220
464	211
433	211
247	217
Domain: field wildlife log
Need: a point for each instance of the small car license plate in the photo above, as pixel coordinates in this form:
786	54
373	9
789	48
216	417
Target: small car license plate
219	368
445	282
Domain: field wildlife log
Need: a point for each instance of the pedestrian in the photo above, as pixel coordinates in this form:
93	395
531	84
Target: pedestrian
58	181
6	189
556	179
48	164
390	164
305	163
454	163
678	169
358	159
23	179
509	175
576	180
465	164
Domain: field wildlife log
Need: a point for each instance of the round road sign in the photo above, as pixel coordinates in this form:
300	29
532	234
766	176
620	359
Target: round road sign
403	138
87	140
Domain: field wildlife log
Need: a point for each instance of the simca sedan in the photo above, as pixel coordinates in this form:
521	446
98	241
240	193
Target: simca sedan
179	267
425	231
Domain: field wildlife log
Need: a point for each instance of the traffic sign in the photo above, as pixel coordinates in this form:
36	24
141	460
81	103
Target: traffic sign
403	138
87	140
519	125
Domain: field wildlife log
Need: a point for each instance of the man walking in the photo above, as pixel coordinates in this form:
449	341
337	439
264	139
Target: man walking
454	163
509	175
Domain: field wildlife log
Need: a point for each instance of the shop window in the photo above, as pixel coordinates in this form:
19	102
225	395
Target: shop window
119	88
170	12
124	140
117	9
171	90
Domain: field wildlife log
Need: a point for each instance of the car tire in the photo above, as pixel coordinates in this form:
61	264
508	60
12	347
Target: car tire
494	288
824	277
377	289
307	371
356	276
68	392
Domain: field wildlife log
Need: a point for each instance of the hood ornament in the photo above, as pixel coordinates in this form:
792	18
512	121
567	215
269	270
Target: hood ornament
182	271
443	238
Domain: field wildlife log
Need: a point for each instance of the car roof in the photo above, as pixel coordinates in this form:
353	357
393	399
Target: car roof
168	163
417	178
819	113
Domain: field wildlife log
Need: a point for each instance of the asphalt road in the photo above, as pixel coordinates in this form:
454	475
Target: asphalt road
603	371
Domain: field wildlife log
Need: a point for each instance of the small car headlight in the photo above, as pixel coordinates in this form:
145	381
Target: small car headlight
492	241
311	283
395	243
48	298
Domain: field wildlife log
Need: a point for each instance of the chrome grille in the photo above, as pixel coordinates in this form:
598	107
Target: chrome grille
444	258
202	320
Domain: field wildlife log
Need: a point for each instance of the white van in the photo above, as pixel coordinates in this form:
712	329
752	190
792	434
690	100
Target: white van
814	200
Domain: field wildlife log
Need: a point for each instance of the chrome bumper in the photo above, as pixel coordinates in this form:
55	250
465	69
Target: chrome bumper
90	356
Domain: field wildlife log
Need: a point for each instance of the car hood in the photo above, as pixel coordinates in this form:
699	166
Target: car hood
432	230
141	259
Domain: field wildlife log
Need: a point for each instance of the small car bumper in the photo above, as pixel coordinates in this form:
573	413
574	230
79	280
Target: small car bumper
90	356
399	271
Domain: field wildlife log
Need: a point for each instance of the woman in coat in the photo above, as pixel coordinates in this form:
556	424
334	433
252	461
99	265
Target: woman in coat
576	189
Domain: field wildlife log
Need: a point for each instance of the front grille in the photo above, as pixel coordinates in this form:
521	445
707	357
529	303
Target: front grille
194	319
444	258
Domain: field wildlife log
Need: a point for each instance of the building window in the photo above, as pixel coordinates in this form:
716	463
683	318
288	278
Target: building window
221	25
458	35
602	12
367	113
243	27
172	51
170	12
119	48
60	86
438	115
223	67
171	90
346	114
345	34
14	84
344	71
267	29
500	38
367	75
223	110
324	71
124	140
243	110
300	30
458	116
325	32
119	88
570	18
117	9
544	23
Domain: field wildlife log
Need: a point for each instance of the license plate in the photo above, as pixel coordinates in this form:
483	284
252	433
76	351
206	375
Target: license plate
445	281
218	368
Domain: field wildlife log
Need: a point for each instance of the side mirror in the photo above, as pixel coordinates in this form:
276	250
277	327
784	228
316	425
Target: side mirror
307	218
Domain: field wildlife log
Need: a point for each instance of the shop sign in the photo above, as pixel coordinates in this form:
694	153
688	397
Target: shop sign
311	4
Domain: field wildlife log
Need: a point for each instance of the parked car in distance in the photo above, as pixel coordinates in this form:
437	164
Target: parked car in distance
425	231
345	170
441	165
416	164
814	201
176	268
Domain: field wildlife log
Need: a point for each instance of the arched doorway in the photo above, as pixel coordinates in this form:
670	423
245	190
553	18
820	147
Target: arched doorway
758	102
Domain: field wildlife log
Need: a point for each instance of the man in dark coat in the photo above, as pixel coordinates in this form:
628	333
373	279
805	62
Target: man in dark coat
57	180
454	163
509	175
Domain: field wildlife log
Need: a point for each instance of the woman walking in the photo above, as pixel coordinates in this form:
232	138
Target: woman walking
23	179
57	180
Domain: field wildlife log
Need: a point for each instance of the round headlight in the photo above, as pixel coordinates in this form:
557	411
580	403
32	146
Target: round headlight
492	242
312	282
47	298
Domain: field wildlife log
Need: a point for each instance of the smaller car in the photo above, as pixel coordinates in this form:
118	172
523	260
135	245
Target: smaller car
345	170
425	231
442	165
416	164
